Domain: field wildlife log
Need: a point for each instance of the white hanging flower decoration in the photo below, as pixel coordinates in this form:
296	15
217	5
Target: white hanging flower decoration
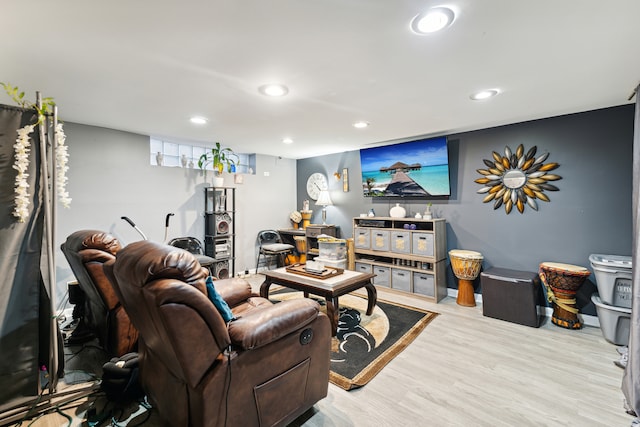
21	164
22	149
62	158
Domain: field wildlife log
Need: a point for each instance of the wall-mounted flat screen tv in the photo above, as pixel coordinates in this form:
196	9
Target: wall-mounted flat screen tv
410	169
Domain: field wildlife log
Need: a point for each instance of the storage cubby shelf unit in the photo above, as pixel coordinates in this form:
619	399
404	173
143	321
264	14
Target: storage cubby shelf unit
405	254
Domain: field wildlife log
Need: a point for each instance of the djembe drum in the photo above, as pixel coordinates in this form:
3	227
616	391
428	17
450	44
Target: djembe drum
301	248
562	282
466	266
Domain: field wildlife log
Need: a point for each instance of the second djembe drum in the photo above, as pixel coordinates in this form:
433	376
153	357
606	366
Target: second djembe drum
562	282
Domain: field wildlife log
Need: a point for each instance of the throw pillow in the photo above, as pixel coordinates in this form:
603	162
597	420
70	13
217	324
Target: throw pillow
217	300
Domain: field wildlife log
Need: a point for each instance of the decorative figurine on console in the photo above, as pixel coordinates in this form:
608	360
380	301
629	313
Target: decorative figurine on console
306	214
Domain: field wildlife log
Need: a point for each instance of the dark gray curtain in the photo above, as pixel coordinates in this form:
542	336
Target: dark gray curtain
631	378
20	278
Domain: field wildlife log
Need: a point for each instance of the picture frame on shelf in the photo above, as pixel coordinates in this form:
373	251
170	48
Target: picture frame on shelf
345	180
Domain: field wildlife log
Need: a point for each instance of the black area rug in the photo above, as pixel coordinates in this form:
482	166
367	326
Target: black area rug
365	344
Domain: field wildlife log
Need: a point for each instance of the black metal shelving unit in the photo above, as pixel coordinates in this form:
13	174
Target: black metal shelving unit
220	229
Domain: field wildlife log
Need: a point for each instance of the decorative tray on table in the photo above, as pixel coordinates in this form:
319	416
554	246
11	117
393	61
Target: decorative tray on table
325	273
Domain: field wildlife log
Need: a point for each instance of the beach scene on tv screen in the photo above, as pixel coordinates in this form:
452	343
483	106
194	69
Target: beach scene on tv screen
410	169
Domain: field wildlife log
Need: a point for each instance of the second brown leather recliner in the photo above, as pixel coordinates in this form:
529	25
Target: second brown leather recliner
86	251
265	368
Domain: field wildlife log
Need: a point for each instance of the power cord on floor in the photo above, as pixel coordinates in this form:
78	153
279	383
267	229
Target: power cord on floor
57	410
31	408
226	401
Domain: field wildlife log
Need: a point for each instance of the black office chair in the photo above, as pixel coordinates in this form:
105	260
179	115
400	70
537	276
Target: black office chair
271	245
194	246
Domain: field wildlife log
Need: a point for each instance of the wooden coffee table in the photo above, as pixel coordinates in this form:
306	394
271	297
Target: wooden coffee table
330	288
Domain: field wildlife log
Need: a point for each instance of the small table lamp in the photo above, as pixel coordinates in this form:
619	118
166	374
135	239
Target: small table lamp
324	200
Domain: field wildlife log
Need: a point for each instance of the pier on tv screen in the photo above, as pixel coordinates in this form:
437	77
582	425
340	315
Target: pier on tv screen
410	169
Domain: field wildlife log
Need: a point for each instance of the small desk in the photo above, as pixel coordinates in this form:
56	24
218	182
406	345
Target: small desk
288	234
330	288
292	231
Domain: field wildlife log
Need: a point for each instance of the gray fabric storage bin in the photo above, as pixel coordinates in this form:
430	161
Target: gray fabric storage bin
400	242
380	240
362	238
401	279
422	244
363	268
383	276
424	284
511	295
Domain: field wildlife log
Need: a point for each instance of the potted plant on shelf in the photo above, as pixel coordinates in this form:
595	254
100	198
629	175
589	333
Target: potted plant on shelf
221	159
427	213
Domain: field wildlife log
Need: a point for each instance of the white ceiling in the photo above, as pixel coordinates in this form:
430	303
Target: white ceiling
146	66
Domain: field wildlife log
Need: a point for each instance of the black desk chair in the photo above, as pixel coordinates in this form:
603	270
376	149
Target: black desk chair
271	245
194	246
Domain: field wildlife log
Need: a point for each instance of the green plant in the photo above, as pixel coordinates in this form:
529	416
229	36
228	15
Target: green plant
220	158
18	97
370	182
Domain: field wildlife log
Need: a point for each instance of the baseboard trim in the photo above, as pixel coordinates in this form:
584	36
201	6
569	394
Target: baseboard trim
587	319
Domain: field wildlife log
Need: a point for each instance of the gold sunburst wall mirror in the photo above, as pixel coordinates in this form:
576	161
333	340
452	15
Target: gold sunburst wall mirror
517	179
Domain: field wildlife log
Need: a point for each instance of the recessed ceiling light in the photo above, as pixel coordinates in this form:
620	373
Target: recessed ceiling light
287	141
273	90
484	94
361	125
435	19
197	120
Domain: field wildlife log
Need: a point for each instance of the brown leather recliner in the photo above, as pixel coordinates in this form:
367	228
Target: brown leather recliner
86	251
265	368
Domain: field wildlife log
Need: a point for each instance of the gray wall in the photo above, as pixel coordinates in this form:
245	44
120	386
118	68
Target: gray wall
110	176
590	214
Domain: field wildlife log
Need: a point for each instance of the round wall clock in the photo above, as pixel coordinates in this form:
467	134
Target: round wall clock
315	183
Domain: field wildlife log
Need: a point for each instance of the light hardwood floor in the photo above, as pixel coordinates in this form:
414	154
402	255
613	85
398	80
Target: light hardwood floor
465	369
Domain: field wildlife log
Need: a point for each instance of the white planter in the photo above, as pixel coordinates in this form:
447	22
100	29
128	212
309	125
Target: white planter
427	213
218	181
397	211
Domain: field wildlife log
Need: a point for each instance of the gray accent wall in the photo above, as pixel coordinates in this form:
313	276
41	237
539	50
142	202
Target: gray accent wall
590	214
110	177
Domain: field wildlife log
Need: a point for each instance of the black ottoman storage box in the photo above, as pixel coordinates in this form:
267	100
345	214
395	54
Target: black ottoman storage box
511	295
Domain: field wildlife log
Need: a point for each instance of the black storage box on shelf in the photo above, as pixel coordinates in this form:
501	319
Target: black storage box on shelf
511	295
378	223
